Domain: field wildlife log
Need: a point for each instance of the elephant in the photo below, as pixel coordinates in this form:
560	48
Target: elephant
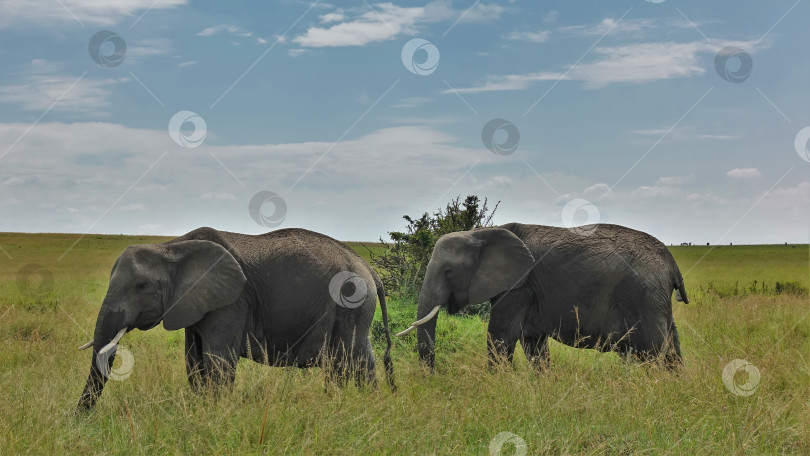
290	297
600	286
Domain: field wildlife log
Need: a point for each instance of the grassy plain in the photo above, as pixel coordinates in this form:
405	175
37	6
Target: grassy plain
588	403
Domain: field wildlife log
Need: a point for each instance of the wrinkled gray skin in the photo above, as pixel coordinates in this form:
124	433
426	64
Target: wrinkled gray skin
264	298
610	290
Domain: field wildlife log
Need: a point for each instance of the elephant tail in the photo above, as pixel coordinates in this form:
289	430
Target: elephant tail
387	362
680	289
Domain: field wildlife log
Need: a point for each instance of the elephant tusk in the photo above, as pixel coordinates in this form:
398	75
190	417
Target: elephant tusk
86	346
428	317
113	342
421	321
411	328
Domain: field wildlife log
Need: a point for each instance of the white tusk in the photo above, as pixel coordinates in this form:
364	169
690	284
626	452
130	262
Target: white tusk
420	322
113	342
86	346
427	317
411	328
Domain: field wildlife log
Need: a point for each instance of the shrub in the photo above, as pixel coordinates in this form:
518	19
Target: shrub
402	264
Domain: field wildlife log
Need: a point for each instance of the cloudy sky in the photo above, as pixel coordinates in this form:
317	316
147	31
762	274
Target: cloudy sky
684	119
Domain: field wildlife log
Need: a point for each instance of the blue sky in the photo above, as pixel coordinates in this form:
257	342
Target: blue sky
622	113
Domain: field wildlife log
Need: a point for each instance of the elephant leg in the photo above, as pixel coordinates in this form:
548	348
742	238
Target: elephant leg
672	358
501	350
195	368
536	350
336	364
504	330
363	364
220	368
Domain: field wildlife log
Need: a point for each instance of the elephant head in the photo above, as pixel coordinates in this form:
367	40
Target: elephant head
176	283
467	267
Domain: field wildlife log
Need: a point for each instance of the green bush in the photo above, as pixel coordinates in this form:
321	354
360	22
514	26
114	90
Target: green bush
402	264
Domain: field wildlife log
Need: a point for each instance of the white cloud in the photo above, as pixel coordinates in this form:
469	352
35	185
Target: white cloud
412	102
337	16
186	64
682	134
57	166
233	31
384	23
218	196
596	191
744	173
656	192
226	29
671	181
42	88
138	49
89	12
387	21
630	63
539	36
612	26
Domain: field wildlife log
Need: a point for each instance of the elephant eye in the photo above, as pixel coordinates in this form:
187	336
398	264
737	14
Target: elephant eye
140	286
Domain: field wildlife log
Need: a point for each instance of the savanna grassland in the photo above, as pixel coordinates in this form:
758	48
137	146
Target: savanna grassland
748	302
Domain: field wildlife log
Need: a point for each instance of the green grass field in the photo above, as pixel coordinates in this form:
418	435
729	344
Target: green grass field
588	403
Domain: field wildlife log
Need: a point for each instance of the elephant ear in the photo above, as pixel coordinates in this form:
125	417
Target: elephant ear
504	263
206	278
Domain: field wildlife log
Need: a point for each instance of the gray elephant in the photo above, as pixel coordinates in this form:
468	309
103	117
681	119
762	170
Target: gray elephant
290	297
598	286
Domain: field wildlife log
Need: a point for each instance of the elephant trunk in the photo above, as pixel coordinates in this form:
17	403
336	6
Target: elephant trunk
426	336
435	292
108	324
